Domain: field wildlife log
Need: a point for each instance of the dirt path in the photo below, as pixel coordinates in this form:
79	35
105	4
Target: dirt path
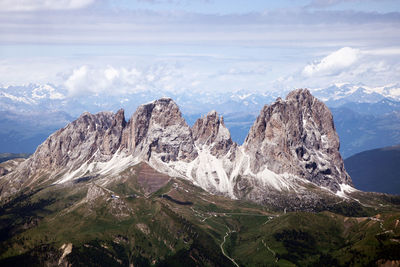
222	246
270	250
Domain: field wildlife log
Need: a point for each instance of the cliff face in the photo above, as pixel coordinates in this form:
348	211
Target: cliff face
77	142
211	131
297	136
159	128
292	141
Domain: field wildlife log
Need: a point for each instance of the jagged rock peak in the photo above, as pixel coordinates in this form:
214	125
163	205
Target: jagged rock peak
79	140
291	138
300	95
205	129
297	136
211	131
119	118
158	127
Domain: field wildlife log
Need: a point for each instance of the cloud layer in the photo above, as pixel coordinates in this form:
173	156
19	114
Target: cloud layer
112	47
36	5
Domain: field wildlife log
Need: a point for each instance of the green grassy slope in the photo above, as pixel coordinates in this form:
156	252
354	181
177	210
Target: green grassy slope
182	225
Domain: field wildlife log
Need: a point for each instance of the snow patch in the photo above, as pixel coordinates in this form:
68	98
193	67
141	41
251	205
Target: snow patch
210	172
345	188
395	92
267	177
242	97
18	99
67	249
116	164
206	171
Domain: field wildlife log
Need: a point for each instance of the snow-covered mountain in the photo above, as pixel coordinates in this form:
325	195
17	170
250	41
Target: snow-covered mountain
339	94
290	153
48	97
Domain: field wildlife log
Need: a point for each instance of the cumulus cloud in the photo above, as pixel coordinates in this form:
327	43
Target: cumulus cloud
35	5
373	67
111	80
85	79
334	63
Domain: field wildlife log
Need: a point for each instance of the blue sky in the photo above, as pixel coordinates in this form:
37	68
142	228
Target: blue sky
124	46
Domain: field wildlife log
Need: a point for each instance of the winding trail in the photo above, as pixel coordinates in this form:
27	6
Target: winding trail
270	250
380	222
209	215
222	246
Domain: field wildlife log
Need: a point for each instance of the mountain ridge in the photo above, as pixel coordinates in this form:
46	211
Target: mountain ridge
376	170
23	107
299	131
103	191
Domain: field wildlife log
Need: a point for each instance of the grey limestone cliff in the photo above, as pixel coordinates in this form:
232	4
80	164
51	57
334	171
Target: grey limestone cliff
297	135
294	137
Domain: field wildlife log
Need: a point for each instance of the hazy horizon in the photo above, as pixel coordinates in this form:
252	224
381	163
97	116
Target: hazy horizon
122	47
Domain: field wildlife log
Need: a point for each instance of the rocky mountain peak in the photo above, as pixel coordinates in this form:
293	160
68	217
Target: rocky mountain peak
119	118
78	140
300	95
91	137
291	140
297	136
158	127
211	131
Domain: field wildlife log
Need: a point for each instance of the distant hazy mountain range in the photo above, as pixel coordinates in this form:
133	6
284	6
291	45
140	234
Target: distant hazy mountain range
8	156
365	117
376	170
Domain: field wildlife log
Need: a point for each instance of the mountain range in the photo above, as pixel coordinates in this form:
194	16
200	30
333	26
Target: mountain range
31	112
291	146
152	191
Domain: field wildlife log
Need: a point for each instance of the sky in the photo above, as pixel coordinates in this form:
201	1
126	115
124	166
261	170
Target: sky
112	47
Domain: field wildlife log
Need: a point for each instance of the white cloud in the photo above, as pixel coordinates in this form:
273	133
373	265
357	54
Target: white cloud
372	66
111	80
35	5
111	73
334	63
77	82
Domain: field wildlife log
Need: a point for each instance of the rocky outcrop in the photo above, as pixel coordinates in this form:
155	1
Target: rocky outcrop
3	171
291	142
297	136
68	148
159	128
211	131
75	143
113	136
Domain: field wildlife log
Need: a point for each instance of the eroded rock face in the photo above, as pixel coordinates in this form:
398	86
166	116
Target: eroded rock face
113	135
3	171
159	128
68	148
294	137
297	136
75	143
211	131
